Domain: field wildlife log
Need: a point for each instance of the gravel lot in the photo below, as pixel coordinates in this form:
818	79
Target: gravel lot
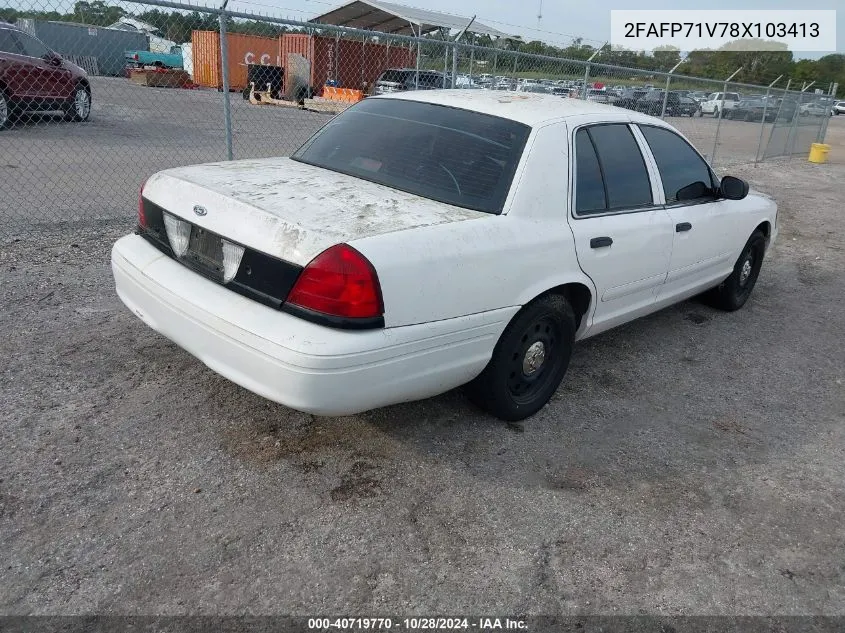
691	463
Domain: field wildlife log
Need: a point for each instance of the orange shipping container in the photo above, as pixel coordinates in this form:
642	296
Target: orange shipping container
242	50
352	63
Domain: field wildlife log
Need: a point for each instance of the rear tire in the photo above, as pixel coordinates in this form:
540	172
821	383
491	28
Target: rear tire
732	293
528	362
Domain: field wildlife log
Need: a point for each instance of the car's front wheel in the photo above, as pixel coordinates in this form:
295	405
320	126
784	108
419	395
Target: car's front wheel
79	107
732	293
529	360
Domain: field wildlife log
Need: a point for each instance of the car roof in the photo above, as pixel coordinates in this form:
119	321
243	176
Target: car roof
529	108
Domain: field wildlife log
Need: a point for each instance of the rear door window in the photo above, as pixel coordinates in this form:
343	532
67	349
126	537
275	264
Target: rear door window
394	76
624	175
589	184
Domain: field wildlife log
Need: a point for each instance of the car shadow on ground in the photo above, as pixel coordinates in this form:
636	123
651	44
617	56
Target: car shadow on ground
672	393
36	119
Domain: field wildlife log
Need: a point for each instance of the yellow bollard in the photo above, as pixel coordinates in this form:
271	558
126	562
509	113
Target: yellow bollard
818	152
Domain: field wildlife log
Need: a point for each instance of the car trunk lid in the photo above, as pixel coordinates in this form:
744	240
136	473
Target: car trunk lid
291	210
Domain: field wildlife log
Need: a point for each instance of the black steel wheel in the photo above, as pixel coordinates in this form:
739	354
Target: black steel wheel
732	293
528	362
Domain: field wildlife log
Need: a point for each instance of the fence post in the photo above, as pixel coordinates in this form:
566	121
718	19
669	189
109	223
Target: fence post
666	92
224	71
456	51
454	64
793	130
721	111
763	120
419	44
445	57
587	72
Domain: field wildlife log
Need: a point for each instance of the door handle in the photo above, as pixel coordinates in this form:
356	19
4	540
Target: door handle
599	242
682	226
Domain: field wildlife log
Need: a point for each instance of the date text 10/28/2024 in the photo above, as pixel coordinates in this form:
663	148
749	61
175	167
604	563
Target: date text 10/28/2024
418	624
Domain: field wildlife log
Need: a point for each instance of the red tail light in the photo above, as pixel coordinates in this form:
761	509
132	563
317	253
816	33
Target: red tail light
142	218
339	282
135	56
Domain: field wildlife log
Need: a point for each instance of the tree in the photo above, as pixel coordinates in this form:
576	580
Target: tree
97	13
665	57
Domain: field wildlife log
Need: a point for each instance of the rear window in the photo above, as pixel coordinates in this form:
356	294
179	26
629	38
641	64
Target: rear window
395	76
445	154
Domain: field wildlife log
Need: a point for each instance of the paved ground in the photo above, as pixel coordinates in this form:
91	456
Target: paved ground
60	171
691	463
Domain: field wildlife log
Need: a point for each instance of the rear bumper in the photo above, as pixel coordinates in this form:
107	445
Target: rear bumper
302	365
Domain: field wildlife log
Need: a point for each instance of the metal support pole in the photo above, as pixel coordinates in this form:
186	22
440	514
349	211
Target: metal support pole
445	60
586	79
793	130
721	110
587	73
224	71
763	120
471	62
666	92
417	74
515	59
454	65
455	51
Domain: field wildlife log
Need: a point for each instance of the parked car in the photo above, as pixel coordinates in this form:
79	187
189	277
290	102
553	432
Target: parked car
652	103
533	87
597	95
838	108
401	79
34	78
751	110
687	106
139	59
336	304
787	109
628	99
814	109
717	101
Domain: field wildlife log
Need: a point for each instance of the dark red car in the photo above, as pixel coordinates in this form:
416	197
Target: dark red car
34	78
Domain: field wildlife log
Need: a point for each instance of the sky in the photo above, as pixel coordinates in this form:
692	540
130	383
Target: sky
562	19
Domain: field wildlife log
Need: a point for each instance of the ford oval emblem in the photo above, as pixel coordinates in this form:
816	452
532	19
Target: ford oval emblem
200	210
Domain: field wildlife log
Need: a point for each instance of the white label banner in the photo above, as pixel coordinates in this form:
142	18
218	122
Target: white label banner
692	30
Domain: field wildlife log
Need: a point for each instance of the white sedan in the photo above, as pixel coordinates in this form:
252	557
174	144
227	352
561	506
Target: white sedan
433	239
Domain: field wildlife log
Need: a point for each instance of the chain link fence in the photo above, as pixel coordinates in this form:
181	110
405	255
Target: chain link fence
169	84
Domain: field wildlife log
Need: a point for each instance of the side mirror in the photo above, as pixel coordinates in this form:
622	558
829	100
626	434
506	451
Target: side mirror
733	188
54	59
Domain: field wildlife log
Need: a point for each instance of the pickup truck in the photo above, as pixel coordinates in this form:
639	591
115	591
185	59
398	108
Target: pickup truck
139	59
717	101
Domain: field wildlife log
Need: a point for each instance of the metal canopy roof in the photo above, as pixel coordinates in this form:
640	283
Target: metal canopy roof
375	15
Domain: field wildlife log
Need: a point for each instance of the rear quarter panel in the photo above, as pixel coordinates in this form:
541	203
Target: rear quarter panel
496	261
